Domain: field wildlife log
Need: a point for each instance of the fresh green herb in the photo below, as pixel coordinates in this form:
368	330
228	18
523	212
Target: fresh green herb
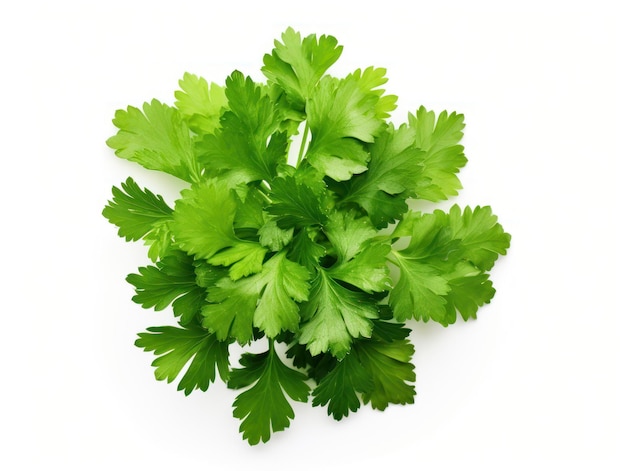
297	252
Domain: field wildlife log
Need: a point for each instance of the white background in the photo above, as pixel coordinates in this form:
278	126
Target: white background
536	381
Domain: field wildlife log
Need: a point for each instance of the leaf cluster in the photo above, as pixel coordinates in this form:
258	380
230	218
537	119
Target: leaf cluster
311	250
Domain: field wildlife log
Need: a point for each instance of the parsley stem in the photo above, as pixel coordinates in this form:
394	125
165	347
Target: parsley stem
394	257
265	187
264	191
305	136
195	173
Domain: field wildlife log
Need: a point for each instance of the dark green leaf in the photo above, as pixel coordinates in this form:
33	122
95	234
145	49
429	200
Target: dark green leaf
178	347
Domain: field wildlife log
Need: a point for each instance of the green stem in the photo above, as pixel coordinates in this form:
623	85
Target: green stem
305	136
394	257
265	187
195	173
264	191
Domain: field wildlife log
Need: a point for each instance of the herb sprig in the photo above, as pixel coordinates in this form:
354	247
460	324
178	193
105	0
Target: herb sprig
299	254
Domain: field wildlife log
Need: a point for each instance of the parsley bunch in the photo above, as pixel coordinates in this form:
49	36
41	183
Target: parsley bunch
299	256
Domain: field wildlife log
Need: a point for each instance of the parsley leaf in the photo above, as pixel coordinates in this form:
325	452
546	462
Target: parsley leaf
389	364
297	64
443	154
342	117
264	407
393	175
200	104
446	263
177	347
136	212
241	146
377	370
156	138
172	281
361	262
341	387
267	300
470	288
334	316
295	204
203	225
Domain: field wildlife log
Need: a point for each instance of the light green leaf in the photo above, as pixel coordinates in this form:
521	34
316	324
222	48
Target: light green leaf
419	292
156	138
203	225
297	64
200	104
243	257
136	212
444	266
342	117
273	237
482	238
247	146
470	288
443	157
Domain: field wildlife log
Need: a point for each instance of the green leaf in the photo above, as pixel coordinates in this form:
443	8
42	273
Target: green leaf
334	316
203	225
420	292
295	204
443	156
369	80
470	288
199	104
173	279
243	146
207	275
285	283
136	212
339	388
230	311
342	116
296	64
361	261
443	267
264	407
251	110
378	369
393	175
348	233
250	206
367	271
389	365
482	238
267	300
156	138
305	248
243	257
273	237
176	347
203	219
